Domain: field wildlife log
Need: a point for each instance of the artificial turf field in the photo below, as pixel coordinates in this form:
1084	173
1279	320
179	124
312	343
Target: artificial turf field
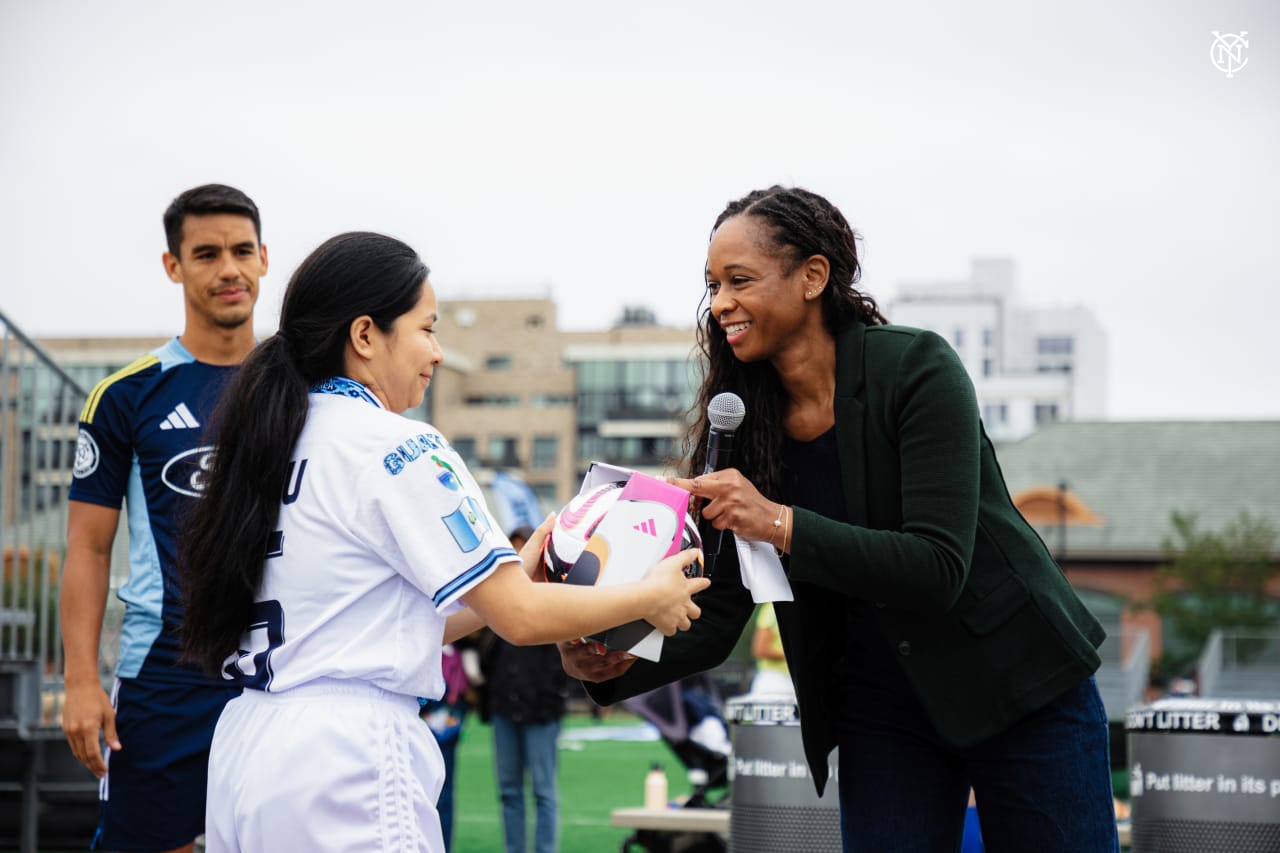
596	776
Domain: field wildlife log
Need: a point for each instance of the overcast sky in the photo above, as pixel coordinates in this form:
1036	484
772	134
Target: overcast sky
582	150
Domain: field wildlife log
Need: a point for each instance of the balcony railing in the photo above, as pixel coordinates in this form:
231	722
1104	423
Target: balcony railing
1125	670
1240	664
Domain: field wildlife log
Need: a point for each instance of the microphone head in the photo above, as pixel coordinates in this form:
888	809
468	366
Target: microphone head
726	411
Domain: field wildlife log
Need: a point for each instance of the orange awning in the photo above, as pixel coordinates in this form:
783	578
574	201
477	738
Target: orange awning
1053	505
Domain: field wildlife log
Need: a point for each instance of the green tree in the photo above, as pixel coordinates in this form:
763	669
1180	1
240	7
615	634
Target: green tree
1216	580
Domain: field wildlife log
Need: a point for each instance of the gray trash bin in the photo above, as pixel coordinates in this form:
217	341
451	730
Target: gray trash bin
1204	775
775	806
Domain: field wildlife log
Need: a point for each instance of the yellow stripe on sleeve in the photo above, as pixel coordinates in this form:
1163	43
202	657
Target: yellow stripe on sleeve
95	396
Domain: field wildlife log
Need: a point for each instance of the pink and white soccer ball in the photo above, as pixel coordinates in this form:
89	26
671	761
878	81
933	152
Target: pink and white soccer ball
691	538
576	523
577	520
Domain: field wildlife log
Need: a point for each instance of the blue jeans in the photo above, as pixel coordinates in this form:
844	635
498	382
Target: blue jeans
445	721
518	748
444	805
1044	784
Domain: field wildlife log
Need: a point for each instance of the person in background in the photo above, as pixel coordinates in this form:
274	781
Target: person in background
338	547
143	443
445	717
772	676
526	689
932	638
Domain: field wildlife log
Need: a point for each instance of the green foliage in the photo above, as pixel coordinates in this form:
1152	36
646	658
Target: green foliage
1216	579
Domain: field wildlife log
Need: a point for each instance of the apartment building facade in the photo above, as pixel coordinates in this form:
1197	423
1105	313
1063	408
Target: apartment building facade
517	393
1030	365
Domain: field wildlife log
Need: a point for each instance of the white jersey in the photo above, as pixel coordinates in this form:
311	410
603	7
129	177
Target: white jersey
381	530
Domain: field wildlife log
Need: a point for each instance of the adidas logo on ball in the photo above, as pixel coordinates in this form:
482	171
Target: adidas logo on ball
566	555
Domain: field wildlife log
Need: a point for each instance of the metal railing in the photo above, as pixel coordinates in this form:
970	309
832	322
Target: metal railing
1125	670
1240	664
1210	664
39	409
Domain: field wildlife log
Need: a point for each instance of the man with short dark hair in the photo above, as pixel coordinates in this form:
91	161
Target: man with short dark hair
142	443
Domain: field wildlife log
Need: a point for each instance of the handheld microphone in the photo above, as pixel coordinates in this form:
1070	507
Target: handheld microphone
725	412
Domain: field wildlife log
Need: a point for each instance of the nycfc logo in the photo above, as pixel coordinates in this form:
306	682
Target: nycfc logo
1227	52
186	472
86	455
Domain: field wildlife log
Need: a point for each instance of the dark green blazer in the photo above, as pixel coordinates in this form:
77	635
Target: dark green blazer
976	611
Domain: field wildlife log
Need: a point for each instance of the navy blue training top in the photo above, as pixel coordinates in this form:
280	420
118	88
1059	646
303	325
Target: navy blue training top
142	443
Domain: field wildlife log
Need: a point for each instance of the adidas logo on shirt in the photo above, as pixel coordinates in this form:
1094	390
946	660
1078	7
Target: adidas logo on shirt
180	418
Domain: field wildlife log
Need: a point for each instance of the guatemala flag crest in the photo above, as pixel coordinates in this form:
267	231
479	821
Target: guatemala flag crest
467	524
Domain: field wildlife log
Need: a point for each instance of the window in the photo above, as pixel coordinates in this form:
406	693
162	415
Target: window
1059	345
497	362
597	375
544	452
957	338
995	413
988	366
546	401
502	451
494	400
1046	413
1054	354
988	338
548	493
466	448
591	447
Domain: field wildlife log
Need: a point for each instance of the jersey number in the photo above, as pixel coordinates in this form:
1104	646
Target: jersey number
292	489
251	666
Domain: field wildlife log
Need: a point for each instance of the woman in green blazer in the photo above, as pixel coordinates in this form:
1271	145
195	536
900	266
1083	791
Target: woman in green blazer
932	637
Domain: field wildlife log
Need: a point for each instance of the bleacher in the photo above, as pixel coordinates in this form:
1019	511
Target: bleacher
46	796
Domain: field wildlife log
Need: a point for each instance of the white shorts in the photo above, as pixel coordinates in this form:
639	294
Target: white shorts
332	765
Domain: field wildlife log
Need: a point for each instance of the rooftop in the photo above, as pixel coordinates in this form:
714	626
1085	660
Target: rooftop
1135	474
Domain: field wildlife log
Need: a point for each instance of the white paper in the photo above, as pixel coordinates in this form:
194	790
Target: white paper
762	572
600	473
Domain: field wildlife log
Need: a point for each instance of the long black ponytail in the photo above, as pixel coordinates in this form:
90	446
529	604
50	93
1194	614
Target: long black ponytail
257	422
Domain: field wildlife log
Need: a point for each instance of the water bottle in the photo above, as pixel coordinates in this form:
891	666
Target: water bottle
655	788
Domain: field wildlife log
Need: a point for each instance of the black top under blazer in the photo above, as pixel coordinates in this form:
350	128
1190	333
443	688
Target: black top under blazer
976	611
